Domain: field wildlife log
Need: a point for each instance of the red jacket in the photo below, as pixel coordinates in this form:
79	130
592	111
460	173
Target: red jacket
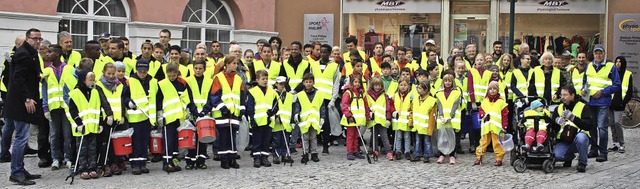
505	111
346	103
390	107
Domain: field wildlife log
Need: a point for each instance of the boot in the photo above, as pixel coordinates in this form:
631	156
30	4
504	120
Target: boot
314	157
135	170
225	164
325	149
305	158
216	157
265	161
256	162
234	164
144	169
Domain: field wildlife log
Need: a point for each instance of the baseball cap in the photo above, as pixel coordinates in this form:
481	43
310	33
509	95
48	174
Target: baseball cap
430	41
598	47
567	54
281	79
142	65
105	35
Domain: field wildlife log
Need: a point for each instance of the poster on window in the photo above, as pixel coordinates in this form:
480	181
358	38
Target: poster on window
318	27
626	39
460	32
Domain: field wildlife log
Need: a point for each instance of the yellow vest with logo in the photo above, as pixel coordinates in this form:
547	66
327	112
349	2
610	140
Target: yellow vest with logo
357	109
421	109
309	112
115	100
530	123
55	90
378	108
285	109
494	111
230	97
200	94
448	111
295	76
599	80
88	111
263	103
144	102
403	107
173	103
577	111
540	81
324	80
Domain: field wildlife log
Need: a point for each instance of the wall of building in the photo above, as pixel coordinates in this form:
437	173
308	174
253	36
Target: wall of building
618	6
290	18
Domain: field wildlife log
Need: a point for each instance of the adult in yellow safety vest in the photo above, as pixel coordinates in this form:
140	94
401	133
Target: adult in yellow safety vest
619	102
295	67
69	55
546	80
327	83
375	62
269	64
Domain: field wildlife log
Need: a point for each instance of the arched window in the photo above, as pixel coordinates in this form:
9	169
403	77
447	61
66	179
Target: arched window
206	21
87	19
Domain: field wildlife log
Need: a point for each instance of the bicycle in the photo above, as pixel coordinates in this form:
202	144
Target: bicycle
631	114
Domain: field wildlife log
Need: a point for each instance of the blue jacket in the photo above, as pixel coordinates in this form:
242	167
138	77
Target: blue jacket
605	99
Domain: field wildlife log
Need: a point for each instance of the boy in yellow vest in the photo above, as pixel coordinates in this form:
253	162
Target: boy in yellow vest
261	107
389	83
85	103
171	98
310	113
139	95
282	127
199	86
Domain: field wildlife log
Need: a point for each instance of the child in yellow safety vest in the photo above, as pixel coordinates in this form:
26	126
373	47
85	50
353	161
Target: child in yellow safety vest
423	110
381	108
198	88
173	99
450	105
355	113
310	113
85	103
282	127
538	114
494	113
401	124
261	109
111	87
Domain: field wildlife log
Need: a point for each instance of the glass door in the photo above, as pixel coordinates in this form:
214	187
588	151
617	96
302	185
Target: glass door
470	29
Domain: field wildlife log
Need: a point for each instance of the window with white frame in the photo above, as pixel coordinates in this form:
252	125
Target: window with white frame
206	21
87	19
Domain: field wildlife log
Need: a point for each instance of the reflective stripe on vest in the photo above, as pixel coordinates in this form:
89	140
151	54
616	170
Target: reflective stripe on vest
530	123
402	106
421	109
576	79
200	94
230	96
273	70
55	88
172	107
378	108
393	89
324	80
285	109
74	59
446	108
598	80
540	81
295	76
115	100
309	112
522	83
263	103
88	111
144	102
494	111
375	67
577	111
357	109
625	83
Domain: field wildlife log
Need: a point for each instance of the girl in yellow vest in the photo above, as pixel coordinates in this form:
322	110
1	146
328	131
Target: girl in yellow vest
310	113
227	103
355	113
401	124
111	87
172	98
261	107
198	88
85	103
120	72
423	118
282	127
494	114
543	117
449	111
381	108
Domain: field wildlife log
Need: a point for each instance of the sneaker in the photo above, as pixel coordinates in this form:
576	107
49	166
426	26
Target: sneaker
186	167
115	170
201	166
44	163
85	176
256	162
358	155
398	156
55	165
525	147
390	156
581	168
106	172
601	159
426	159
613	149
122	166
350	156
93	175
440	160
498	163
67	165
407	156
305	158
621	149
477	162
415	159
314	157
452	160
592	154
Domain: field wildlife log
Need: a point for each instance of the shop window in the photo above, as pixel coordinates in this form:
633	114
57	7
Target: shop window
87	19
206	21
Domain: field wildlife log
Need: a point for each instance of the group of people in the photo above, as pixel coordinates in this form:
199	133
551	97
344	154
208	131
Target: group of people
297	96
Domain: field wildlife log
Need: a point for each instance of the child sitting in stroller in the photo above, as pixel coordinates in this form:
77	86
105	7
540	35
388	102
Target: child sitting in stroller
536	115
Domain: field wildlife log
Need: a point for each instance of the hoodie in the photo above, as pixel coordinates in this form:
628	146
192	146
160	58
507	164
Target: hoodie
617	103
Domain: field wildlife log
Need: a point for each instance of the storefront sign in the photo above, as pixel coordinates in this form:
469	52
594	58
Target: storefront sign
391	6
318	27
626	40
556	6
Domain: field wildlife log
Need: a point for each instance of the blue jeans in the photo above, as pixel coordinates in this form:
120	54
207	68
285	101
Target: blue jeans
600	135
7	135
423	144
60	129
566	152
17	153
407	141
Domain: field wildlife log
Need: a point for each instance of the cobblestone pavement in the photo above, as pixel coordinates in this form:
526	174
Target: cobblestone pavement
334	171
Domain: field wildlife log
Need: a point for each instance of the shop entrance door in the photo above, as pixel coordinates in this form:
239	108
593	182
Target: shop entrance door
470	29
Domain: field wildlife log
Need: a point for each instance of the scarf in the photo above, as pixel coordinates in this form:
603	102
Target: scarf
110	84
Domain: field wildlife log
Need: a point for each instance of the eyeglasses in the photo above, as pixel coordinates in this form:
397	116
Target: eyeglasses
37	38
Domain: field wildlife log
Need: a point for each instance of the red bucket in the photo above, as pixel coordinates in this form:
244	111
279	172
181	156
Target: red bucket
122	142
187	139
155	146
206	129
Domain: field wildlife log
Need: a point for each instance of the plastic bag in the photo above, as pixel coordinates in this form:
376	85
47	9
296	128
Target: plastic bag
446	140
186	125
242	138
125	133
334	121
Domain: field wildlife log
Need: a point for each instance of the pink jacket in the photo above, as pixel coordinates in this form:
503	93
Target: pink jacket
346	103
390	107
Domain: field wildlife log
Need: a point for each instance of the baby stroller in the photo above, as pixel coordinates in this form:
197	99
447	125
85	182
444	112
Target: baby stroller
522	158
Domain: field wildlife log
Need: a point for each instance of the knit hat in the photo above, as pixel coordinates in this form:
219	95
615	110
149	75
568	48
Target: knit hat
535	104
493	84
142	65
120	65
493	67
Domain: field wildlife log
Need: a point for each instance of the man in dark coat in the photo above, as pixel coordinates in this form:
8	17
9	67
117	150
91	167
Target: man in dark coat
21	94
